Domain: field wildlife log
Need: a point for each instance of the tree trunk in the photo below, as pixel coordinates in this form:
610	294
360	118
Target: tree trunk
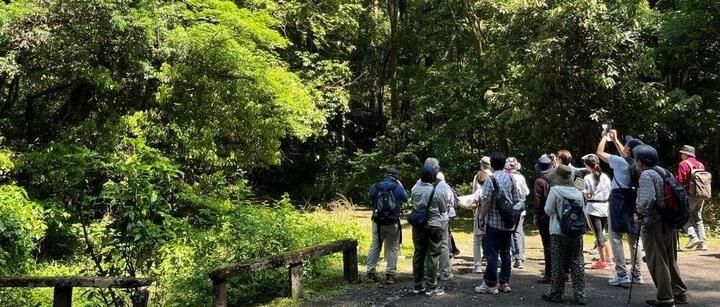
393	13
477	34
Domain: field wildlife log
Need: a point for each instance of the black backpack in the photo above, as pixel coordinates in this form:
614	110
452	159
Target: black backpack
571	218
504	206
676	210
386	210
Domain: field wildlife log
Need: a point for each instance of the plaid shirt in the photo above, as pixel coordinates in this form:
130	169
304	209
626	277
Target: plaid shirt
650	196
506	189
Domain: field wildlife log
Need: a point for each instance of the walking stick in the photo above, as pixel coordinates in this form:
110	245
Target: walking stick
634	261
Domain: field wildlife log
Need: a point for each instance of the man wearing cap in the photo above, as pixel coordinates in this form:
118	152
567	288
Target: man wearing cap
541	188
566	251
386	233
498	235
426	240
658	239
694	228
622	206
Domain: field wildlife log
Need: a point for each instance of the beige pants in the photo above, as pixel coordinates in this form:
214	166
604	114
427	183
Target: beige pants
661	255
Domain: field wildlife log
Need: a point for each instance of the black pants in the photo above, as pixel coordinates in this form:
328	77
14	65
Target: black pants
600	228
544	227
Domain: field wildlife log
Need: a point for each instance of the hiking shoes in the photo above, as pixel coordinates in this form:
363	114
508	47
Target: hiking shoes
657	303
703	246
477	269
435	292
518	265
693	243
446	277
505	288
681	300
486	289
619	280
419	289
389	279
372	277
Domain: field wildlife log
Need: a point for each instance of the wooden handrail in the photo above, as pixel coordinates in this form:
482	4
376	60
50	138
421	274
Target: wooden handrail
293	259
63	286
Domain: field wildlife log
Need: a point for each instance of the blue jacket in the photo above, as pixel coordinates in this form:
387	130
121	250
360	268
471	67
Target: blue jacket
400	194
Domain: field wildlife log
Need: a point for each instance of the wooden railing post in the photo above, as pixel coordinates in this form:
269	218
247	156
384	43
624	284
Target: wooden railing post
220	293
296	288
62	297
350	264
139	297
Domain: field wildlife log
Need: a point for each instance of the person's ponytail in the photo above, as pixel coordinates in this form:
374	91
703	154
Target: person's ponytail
597	173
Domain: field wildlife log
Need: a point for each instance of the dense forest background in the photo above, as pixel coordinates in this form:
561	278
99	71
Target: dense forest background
161	138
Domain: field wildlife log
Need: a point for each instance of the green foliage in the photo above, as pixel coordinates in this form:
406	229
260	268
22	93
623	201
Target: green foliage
21	227
247	232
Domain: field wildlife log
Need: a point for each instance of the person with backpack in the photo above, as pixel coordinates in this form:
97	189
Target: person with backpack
427	220
622	206
499	219
597	193
541	188
661	209
444	188
387	198
692	175
564	206
513	167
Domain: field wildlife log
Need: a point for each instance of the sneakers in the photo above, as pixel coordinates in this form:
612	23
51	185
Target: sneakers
518	264
505	288
669	303
435	292
692	244
703	246
638	280
478	269
544	279
447	277
372	277
485	289
599	265
419	289
619	280
390	279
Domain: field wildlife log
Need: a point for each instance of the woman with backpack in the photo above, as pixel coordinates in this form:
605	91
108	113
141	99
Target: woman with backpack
566	232
597	193
517	247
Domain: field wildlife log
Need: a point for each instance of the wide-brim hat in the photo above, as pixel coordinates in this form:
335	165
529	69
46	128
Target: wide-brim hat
544	165
688	150
562	176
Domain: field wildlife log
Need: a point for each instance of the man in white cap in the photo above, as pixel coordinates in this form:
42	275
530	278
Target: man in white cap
687	168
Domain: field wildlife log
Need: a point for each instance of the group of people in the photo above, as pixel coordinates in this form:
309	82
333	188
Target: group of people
628	207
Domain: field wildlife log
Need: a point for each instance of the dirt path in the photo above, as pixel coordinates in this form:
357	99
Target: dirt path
700	270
